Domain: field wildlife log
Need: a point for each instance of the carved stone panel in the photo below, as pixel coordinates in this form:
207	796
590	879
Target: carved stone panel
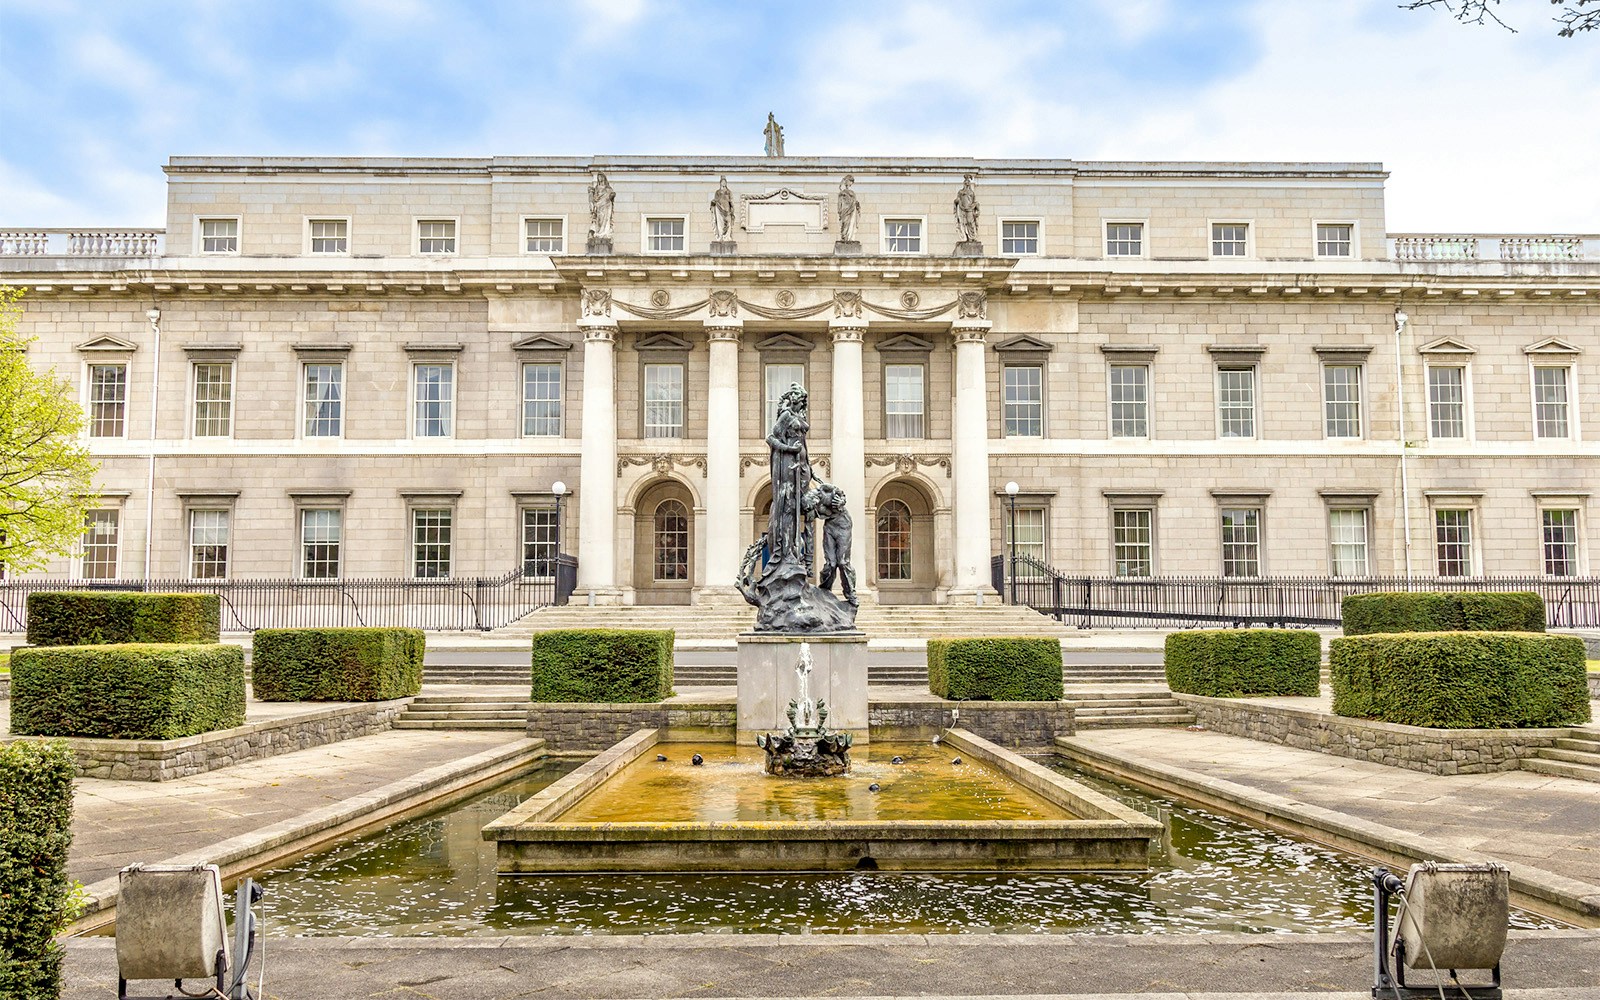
783	207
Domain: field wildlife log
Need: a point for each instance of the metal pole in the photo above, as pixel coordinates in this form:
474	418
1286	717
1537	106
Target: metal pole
1013	548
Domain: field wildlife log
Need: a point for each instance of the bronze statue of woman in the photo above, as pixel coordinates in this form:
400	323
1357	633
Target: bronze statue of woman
791	475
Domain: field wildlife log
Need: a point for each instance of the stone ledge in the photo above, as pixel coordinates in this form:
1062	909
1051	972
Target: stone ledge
1014	724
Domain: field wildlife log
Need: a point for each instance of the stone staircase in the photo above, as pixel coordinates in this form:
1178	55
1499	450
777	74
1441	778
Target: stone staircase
1574	757
1112	708
466	711
1111	672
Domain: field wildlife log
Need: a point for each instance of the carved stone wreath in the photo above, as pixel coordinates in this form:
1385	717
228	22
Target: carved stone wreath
909	299
786	298
661	298
906	464
661	463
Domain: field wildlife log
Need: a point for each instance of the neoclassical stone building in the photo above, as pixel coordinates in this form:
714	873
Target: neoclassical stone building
381	367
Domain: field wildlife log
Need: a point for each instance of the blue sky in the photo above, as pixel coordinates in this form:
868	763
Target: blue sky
1484	130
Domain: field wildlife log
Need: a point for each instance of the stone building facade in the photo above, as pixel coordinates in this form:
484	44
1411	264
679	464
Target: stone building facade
381	367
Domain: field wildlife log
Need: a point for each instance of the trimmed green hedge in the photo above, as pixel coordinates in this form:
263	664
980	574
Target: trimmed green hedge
336	664
995	669
92	618
1231	663
1461	680
35	832
1443	611
602	665
132	691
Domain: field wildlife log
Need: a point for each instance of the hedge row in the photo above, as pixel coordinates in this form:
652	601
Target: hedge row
602	665
1448	611
70	618
336	664
995	669
149	691
35	832
1461	680
1229	663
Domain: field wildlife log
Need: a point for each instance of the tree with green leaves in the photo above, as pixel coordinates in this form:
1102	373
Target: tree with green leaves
1573	17
46	473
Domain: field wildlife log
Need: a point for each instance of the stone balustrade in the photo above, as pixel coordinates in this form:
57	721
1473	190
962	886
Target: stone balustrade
82	242
1440	247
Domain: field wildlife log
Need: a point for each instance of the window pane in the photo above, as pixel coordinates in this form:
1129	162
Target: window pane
108	400
436	236
1347	535
1447	406
100	535
430	544
663	401
321	533
1241	542
1229	239
1130	395
435	400
324	400
1124	239
894	541
1133	542
539	541
1236	402
1452	535
545	236
219	235
666	235
1030	539
330	236
902	401
778	379
1019	237
208	544
1560	542
1024	401
213	400
1333	240
541	400
1341	400
1550	402
902	235
671	541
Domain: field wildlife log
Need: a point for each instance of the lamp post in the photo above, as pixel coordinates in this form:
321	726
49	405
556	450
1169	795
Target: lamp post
1011	495
559	489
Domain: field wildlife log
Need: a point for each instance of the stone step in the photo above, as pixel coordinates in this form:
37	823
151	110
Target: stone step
468	711
1141	710
506	724
1103	704
1130	722
1586	744
1561	769
1590	757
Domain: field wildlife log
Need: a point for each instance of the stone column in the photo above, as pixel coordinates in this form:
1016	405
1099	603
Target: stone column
722	540
597	470
970	465
847	450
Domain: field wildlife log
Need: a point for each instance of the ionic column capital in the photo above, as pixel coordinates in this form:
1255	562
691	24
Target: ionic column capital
971	331
847	331
599	330
724	328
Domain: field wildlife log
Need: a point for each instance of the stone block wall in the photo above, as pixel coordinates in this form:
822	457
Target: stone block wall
583	728
1014	724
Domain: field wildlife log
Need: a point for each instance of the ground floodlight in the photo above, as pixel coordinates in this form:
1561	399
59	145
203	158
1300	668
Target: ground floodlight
1451	917
170	924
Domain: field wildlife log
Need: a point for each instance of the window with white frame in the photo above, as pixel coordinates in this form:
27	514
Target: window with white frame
321	541
108	400
1241	541
1029	533
1019	237
902	401
663	401
1447	401
1347	541
541	399
213	399
664	235
324	399
1130	401
1452	538
541	541
208	544
436	236
1335	239
1236	401
1230	239
1341	401
435	399
330	236
1550	401
430	543
545	235
1124	239
101	534
1024	401
219	235
671	551
1560	535
1133	547
894	540
776	379
902	235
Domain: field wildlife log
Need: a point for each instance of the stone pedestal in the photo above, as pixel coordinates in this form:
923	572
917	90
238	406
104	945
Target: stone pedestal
767	680
969	248
724	248
847	248
598	246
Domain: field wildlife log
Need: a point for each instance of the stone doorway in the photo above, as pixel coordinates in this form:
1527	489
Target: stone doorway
664	545
900	552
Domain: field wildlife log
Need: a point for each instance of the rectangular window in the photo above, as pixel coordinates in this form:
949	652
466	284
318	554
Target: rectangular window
213	399
1024	401
108	400
430	544
1334	239
777	379
1241	541
1560	542
324	399
1030	539
1236	402
1341	401
435	400
663	401
208	544
219	235
321	537
540	542
546	236
330	236
436	236
541	400
1133	542
1452	536
1347	539
902	235
1130	401
1229	239
902	401
1124	239
664	235
1019	237
1447	401
100	534
1550	401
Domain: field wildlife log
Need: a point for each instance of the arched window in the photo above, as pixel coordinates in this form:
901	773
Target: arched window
894	541
672	541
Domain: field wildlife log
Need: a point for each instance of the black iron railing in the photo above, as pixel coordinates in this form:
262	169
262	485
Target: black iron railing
1200	602
465	605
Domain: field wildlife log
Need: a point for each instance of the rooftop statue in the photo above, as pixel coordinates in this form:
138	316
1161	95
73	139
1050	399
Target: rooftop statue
966	207
602	197
722	212
849	209
774	134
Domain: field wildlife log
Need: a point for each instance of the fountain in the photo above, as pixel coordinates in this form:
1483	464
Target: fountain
807	748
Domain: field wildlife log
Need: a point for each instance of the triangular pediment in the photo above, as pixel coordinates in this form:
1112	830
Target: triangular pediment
906	342
1552	345
539	342
662	342
108	343
1446	345
1024	342
785	342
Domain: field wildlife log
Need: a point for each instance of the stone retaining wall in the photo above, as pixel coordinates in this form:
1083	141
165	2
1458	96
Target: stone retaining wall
1416	748
5	687
1014	724
163	760
582	728
1594	685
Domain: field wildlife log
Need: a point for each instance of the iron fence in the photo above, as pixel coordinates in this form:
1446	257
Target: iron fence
1191	602
464	605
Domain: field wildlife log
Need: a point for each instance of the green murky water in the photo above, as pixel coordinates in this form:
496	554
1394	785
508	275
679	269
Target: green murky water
434	876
